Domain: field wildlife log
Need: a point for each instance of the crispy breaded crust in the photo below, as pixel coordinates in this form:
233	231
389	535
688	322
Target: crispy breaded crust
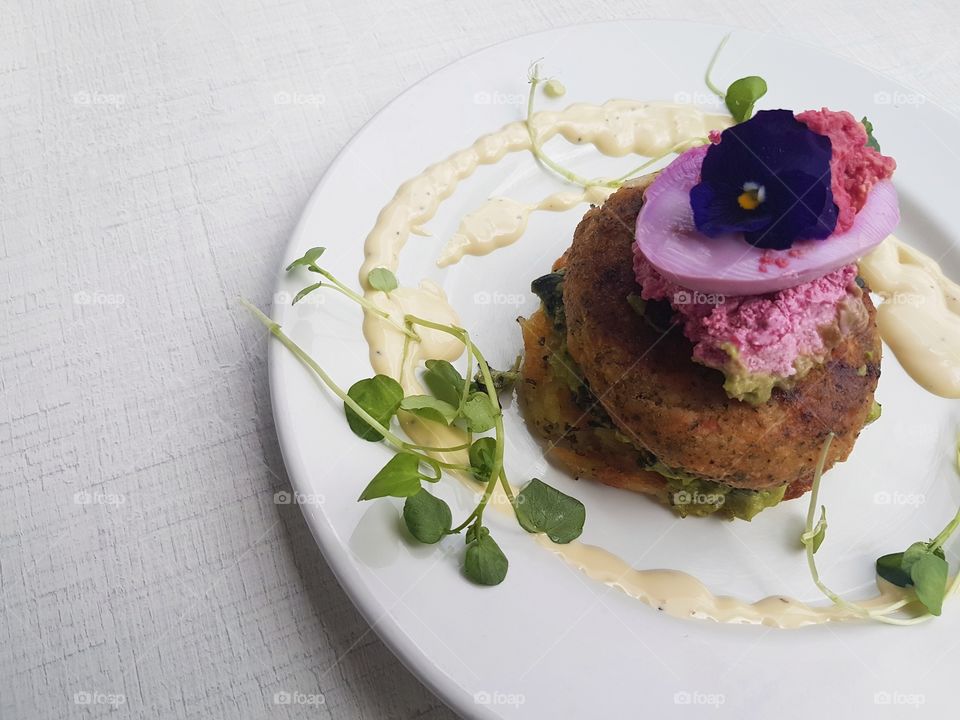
659	397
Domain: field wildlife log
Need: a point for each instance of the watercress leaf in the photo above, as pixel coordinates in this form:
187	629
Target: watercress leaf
871	140
485	562
890	568
444	381
306	291
481	456
915	552
309	258
428	518
544	509
743	94
400	477
380	396
479	412
475	532
382	279
429	408
896	567
929	575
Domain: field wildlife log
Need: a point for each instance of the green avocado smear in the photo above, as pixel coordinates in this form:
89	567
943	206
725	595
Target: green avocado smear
686	493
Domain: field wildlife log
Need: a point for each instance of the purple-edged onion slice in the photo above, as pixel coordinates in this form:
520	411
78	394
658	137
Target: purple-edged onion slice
728	264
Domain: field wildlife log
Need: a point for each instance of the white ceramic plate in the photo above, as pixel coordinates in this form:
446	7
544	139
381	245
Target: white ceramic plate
549	642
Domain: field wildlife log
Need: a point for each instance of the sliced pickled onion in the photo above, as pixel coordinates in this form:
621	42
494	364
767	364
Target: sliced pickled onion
728	264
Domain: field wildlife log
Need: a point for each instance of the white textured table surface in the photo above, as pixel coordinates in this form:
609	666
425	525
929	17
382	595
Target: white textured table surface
154	157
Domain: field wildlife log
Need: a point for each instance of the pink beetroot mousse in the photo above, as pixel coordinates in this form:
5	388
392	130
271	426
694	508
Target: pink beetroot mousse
855	167
772	335
768	333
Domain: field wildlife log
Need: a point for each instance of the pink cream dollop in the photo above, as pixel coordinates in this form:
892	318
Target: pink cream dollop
768	332
854	166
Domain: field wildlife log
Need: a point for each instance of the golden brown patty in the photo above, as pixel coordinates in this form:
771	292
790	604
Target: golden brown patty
650	387
576	428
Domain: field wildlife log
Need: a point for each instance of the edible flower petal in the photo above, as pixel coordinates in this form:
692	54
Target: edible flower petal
768	178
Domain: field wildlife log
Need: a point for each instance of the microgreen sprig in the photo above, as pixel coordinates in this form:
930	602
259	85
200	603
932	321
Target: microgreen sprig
533	76
371	405
742	94
536	148
922	566
380	279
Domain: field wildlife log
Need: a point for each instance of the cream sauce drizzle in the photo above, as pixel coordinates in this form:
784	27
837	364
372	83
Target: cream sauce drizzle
617	128
502	221
681	595
920	315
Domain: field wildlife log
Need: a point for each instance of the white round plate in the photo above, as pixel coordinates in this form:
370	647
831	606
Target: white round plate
549	642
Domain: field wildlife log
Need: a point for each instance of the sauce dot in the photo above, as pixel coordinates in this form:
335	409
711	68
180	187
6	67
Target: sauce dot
554	88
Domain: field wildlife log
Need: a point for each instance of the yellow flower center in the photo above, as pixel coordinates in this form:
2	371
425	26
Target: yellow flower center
752	196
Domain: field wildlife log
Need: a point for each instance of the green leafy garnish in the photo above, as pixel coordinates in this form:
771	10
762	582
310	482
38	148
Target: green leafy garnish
380	396
890	568
306	291
871	140
929	574
428	518
480	413
481	456
544	509
895	567
308	260
382	279
372	404
444	381
429	408
485	562
400	477
922	566
743	94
